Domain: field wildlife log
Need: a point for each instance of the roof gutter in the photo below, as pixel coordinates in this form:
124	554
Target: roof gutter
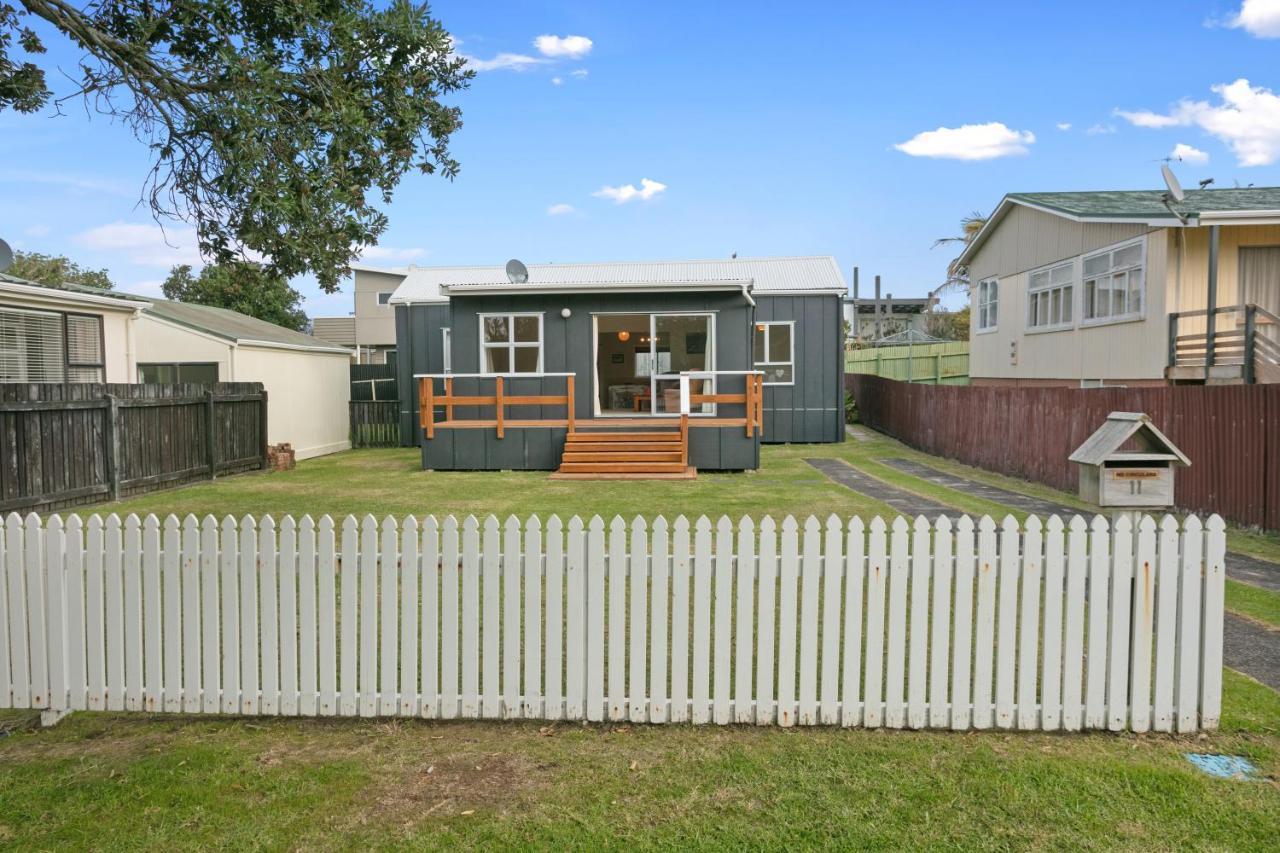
55	294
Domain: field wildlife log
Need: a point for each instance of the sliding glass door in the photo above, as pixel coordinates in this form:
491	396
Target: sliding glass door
639	358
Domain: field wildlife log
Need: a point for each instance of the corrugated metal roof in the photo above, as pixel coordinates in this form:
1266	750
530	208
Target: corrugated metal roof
233	325
1119	427
766	275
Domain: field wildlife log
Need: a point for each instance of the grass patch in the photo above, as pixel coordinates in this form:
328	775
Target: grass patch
133	781
1262	605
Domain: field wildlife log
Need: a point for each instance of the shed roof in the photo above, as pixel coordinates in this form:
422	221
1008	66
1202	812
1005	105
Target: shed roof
780	275
1116	431
234	326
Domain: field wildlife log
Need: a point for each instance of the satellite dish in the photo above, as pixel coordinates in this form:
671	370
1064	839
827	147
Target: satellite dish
517	272
6	256
1171	181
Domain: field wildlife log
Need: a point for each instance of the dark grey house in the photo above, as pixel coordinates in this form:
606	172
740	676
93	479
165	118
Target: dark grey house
587	363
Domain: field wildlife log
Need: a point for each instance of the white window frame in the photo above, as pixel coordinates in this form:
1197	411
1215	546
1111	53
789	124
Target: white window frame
979	304
1049	288
446	341
791	337
384	303
511	344
1129	316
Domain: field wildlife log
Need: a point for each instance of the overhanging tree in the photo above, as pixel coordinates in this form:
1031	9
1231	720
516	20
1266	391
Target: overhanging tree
243	287
54	270
275	127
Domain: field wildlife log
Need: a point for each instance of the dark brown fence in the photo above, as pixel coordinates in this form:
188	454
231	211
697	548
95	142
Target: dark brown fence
62	445
1231	433
375	423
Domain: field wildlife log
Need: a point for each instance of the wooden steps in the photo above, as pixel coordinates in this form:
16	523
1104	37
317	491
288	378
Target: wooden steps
630	455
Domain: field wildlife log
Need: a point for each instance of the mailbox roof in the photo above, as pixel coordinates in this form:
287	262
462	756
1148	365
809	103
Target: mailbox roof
1106	441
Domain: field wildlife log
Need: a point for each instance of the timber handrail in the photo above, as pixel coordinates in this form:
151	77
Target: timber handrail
751	399
429	400
1240	347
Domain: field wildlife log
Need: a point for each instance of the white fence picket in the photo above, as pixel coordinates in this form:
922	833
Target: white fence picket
744	624
638	670
810	589
702	621
1030	627
722	650
659	613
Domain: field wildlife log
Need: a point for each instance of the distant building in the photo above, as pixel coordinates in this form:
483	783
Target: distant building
371	329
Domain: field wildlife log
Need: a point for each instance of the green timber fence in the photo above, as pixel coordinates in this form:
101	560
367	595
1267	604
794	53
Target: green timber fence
945	363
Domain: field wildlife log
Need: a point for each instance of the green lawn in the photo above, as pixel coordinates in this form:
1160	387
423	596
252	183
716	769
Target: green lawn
118	781
134	781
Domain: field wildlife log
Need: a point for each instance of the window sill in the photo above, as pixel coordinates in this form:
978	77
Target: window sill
1045	330
987	331
1113	321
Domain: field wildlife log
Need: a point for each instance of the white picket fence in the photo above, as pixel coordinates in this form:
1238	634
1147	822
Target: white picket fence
943	625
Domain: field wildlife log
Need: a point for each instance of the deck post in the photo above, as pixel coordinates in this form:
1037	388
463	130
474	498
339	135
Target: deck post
760	404
499	404
426	407
1173	339
569	399
448	396
684	439
749	412
1250	341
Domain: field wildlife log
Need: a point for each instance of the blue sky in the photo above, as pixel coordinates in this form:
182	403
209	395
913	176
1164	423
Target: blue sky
763	129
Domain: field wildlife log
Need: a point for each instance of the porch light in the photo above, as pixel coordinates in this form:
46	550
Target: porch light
624	336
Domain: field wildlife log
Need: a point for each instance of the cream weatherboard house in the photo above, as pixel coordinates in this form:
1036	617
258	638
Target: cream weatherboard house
1117	288
370	330
82	334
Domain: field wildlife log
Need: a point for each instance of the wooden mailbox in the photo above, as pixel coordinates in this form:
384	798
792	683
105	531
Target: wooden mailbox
1140	477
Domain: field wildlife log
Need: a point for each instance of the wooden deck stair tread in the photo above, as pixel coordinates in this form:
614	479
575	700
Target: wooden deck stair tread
600	454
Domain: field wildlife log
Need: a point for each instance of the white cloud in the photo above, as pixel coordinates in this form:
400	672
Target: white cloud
1101	130
580	73
1247	120
74	184
1259	18
563	47
1189	154
648	189
503	62
560	209
144	245
1064	125
968	142
37	231
389	253
557	81
152	287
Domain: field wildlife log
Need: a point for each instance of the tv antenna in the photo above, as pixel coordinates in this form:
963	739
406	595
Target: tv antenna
1174	194
517	273
6	256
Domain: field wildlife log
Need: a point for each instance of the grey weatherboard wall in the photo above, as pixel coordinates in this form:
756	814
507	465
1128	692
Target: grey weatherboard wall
810	411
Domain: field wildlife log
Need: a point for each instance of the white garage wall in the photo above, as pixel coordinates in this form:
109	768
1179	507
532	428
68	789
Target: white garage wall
307	396
160	340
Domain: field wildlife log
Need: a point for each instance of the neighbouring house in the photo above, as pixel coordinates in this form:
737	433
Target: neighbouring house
75	333
371	329
1118	288
614	359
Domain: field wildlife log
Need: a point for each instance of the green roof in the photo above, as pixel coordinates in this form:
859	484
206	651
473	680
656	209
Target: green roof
1137	204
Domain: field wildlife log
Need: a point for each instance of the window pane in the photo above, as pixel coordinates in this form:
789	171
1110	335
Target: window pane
1129	255
1039	279
1068	296
780	343
1055	307
1135	291
1119	293
527	329
496	330
200	374
759	350
1062	274
778	373
994	290
31	347
992	311
384	298
84	340
1090	288
526	360
496	360
1097	264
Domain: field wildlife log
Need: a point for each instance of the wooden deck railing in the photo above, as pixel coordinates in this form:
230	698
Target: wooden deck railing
751	399
429	401
1195	340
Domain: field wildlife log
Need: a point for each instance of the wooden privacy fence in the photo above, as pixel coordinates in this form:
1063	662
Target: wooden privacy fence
63	444
1053	627
1228	432
375	423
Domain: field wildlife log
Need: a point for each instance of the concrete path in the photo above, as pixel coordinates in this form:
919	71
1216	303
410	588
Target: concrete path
907	503
1247	646
1241	568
